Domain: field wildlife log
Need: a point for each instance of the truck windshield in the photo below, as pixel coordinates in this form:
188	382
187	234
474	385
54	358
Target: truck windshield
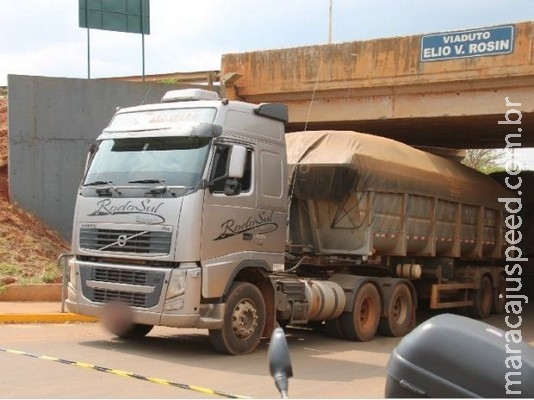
174	161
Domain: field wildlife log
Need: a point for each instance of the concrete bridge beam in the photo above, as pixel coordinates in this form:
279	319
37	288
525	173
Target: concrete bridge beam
383	87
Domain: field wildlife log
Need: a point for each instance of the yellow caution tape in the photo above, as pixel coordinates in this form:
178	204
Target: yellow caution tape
129	375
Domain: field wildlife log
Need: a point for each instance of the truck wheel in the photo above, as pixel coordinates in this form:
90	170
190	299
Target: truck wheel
399	312
135	331
244	320
500	290
361	324
483	300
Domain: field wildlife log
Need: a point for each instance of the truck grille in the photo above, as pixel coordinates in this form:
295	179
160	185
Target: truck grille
126	276
125	241
132	299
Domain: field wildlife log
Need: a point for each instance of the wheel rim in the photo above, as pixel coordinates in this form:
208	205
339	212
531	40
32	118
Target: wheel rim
365	313
400	310
244	319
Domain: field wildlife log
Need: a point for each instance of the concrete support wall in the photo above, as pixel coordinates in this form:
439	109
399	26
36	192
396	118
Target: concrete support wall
52	122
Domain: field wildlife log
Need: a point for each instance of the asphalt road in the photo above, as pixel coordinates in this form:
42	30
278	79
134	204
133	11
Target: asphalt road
324	367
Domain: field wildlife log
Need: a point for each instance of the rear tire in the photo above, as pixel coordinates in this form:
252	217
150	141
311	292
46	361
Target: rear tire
483	298
399	312
361	324
244	321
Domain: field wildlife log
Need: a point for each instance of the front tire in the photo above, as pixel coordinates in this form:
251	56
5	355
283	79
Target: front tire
244	321
117	318
135	332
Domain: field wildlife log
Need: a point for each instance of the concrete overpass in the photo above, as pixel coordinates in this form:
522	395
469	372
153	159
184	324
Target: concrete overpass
444	90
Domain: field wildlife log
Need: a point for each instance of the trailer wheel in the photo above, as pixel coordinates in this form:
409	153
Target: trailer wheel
361	324
500	290
244	320
135	331
399	312
483	300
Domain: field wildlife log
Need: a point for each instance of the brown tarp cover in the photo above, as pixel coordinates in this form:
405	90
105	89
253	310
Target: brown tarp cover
334	164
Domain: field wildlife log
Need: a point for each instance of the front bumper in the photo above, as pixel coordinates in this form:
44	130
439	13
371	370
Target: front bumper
156	296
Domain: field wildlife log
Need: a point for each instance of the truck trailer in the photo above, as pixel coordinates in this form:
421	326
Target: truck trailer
201	212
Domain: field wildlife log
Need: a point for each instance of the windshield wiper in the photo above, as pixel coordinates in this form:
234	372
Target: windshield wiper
156	189
148	181
109	183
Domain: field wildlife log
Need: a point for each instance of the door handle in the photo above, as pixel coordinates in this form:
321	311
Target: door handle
247	236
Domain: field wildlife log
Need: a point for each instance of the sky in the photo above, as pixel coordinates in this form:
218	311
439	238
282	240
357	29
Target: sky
43	37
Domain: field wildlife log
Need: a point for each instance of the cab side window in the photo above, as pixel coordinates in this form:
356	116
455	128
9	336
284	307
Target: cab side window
220	168
246	181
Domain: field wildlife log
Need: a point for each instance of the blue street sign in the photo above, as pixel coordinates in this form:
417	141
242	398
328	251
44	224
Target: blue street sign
470	43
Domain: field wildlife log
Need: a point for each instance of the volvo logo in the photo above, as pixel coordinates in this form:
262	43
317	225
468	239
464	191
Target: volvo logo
121	240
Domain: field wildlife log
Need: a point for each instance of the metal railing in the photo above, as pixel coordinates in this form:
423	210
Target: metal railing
64	266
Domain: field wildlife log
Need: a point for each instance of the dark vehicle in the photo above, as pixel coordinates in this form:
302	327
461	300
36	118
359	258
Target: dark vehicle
454	356
447	356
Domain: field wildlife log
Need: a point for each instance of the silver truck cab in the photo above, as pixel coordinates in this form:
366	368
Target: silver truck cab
177	200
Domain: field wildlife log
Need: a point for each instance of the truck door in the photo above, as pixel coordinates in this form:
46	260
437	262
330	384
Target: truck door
228	219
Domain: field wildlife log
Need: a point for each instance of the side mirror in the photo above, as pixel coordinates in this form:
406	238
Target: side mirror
232	187
238	158
280	361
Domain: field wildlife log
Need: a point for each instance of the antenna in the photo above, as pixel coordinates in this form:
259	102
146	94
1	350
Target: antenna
330	22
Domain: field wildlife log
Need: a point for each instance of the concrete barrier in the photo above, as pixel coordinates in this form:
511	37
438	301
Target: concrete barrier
38	292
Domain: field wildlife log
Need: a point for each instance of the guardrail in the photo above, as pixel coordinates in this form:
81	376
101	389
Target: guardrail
64	266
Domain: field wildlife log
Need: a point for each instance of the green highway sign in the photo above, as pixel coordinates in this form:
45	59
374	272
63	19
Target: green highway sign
131	16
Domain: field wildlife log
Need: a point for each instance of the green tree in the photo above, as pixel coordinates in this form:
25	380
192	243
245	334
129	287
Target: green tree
484	160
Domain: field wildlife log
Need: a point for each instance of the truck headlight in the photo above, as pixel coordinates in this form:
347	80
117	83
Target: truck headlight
176	284
174	304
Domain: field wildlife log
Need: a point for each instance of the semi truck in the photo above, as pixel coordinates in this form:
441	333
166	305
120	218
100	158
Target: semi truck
201	212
